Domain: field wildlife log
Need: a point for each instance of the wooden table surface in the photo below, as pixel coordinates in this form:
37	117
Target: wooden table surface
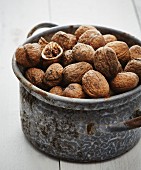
17	17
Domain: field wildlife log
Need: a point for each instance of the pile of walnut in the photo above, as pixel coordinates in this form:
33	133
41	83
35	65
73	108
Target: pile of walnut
84	65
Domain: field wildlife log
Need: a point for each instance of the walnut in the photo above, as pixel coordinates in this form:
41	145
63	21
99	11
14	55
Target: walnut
56	90
35	76
124	82
52	53
67	58
28	55
135	51
83	28
93	38
74	90
134	66
106	62
95	85
42	42
65	40
53	75
121	49
73	73
109	38
83	52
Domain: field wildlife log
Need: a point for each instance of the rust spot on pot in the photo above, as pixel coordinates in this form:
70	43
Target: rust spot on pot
90	129
134	123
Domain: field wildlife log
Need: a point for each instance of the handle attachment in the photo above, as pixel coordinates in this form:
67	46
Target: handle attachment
41	25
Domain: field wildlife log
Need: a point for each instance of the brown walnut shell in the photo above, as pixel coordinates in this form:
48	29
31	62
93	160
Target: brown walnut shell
65	40
135	51
74	90
83	52
106	62
124	82
56	90
109	38
73	73
53	75
35	76
121	49
95	85
28	55
134	66
83	28
93	38
67	58
42	42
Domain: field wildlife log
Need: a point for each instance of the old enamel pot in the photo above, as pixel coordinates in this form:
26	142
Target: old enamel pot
80	130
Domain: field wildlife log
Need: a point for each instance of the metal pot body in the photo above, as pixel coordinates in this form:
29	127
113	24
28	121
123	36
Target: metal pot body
76	129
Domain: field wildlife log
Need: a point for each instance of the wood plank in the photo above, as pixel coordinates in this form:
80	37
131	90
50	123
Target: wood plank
137	5
17	17
116	14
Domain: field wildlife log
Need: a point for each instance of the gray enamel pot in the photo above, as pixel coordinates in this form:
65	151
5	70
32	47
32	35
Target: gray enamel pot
79	130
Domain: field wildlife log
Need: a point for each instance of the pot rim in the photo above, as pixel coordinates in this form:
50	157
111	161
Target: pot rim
46	94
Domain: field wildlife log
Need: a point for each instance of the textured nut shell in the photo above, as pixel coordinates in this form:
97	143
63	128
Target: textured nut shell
53	75
66	41
56	90
121	49
67	58
83	52
28	55
74	90
134	66
42	42
95	85
109	38
124	82
73	73
135	51
106	62
82	29
35	76
93	38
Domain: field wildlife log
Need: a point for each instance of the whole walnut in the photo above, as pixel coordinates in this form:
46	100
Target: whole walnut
83	28
65	40
134	66
53	75
73	73
135	51
106	62
109	38
93	38
121	49
83	52
35	76
95	85
124	82
28	55
56	90
74	90
67	58
42	42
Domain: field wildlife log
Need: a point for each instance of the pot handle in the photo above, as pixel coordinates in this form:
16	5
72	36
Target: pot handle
125	125
41	25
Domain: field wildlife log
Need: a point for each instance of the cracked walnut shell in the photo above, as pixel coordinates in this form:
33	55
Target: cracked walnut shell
83	52
53	75
74	90
106	62
124	82
95	85
28	55
73	73
65	40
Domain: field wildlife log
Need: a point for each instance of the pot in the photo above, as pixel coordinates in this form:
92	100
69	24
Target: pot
79	130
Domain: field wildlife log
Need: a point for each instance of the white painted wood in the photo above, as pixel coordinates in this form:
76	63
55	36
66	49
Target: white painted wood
118	14
17	17
137	5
